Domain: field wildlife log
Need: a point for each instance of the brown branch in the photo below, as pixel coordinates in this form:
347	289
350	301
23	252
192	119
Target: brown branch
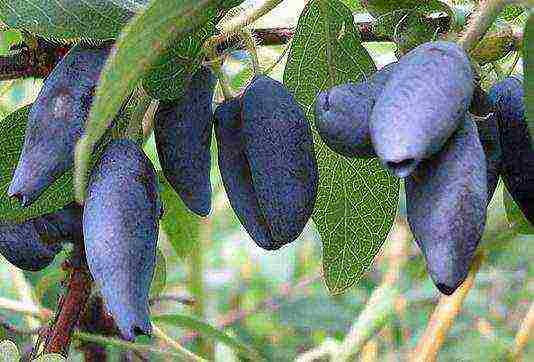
443	318
71	305
38	62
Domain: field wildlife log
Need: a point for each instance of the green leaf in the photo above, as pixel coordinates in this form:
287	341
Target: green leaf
354	5
206	330
138	47
181	225
406	22
59	194
357	199
160	275
9	351
9	38
528	71
515	216
69	20
166	78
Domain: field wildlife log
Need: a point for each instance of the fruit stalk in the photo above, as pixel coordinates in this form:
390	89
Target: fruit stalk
482	20
71	306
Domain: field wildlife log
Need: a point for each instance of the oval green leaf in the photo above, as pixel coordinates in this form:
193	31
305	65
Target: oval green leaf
70	20
59	194
357	199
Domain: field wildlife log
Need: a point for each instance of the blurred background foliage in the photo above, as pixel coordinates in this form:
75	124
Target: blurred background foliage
277	303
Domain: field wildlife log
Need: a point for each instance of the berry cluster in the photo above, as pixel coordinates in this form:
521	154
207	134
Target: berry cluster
413	115
266	158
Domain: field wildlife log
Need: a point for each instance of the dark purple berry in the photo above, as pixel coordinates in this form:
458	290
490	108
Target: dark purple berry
507	98
236	174
183	138
446	205
56	122
120	222
279	148
423	103
342	115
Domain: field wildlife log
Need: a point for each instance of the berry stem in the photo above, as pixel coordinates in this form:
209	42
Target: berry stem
71	305
186	355
481	22
216	63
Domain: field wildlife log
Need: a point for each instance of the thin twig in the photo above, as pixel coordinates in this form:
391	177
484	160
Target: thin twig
71	305
136	347
273	303
246	18
481	22
443	317
25	308
196	281
186	354
523	334
379	307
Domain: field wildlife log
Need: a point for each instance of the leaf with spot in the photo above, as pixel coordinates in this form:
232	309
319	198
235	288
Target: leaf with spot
59	194
357	198
68	19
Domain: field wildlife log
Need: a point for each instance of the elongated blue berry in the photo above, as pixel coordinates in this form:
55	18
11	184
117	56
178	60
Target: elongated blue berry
342	115
446	205
507	98
183	138
236	174
422	104
488	132
120	225
279	148
56	122
33	244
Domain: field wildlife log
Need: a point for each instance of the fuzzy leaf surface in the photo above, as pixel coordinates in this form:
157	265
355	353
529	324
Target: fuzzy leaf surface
357	199
69	20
